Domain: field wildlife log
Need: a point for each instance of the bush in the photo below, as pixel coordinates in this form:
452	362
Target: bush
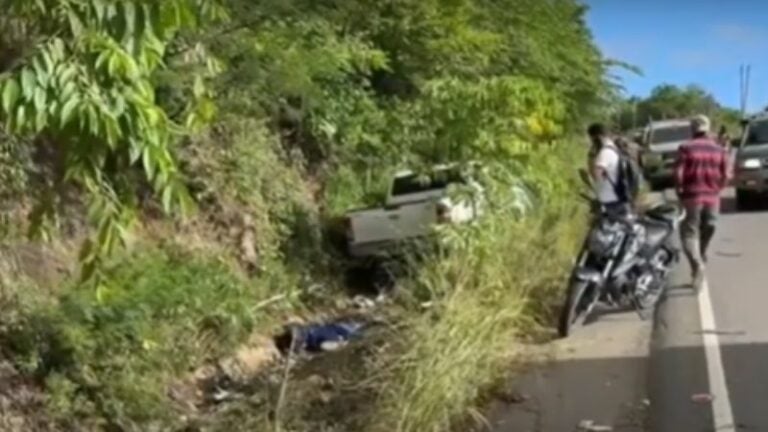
111	354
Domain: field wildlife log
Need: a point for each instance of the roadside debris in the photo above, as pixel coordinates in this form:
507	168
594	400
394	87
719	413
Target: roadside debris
722	332
702	398
590	426
363	303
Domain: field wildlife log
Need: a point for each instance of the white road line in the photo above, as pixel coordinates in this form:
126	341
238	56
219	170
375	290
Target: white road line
721	405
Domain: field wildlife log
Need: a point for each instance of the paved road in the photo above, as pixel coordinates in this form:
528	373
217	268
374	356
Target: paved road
599	375
700	365
731	361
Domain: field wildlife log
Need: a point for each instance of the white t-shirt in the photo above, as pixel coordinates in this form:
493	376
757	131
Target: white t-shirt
607	159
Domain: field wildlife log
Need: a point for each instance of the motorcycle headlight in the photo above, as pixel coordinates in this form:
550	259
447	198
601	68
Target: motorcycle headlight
602	239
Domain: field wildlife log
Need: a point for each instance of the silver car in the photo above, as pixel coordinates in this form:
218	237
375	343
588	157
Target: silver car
661	142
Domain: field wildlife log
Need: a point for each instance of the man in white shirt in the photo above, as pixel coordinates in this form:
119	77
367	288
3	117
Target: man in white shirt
604	164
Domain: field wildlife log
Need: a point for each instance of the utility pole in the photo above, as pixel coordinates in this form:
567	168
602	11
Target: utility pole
744	75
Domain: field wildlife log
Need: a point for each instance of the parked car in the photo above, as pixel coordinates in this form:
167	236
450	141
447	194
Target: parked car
415	204
751	165
660	144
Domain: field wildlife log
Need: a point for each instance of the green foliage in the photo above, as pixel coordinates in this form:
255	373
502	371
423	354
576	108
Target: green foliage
86	82
484	294
669	101
305	112
112	354
491	119
238	167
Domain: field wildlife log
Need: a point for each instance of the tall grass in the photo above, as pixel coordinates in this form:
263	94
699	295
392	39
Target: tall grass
490	288
497	284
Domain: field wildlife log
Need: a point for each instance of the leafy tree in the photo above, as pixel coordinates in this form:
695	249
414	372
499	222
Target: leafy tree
669	101
82	83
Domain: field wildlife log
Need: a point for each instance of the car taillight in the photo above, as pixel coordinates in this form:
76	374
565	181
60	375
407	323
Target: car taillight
443	213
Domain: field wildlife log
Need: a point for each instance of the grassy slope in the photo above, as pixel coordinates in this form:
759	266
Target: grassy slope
111	356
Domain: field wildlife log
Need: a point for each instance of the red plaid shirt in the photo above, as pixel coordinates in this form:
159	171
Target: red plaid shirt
701	172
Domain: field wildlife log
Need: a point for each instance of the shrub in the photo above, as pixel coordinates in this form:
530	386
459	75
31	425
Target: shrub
111	354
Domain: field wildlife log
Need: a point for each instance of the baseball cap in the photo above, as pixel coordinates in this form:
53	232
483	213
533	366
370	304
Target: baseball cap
700	123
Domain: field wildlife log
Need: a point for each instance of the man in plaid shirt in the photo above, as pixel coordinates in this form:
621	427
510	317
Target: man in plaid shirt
701	173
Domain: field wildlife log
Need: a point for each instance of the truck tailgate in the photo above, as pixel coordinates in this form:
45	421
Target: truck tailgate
393	223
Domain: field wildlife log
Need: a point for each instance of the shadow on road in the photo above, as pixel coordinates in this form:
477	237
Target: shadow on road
604	311
728	206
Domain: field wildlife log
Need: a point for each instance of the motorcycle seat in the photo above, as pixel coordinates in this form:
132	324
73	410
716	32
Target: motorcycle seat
665	213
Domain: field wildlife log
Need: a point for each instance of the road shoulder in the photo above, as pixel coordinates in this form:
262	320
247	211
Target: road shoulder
678	386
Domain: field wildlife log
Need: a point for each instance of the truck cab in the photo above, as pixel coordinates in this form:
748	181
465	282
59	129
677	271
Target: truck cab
661	140
751	165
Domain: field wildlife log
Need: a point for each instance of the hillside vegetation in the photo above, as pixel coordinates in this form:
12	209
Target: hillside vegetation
198	155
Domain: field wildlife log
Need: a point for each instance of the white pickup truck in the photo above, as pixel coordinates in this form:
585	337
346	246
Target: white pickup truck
414	205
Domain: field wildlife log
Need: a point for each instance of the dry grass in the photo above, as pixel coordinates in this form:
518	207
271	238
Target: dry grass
492	290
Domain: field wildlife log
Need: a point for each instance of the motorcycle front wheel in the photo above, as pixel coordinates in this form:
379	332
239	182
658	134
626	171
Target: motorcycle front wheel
576	307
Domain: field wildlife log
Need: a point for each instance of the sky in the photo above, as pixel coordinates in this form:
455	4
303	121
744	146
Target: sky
687	42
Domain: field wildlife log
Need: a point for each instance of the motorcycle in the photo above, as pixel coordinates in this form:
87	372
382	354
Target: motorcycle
625	261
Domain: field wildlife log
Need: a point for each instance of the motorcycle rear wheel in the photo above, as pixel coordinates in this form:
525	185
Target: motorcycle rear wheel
576	308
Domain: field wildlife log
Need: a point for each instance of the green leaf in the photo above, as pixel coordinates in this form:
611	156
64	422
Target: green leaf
130	18
41	120
28	84
40	98
168	198
11	93
69	109
106	235
105	56
135	151
67	76
93	119
87	252
21	117
100	8
58	48
40	73
75	24
53	108
114	64
49	63
149	164
68	91
198	89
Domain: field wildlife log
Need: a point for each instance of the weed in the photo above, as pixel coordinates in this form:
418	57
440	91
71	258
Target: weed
111	354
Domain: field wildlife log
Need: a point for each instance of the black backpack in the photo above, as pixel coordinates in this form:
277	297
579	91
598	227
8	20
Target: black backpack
630	179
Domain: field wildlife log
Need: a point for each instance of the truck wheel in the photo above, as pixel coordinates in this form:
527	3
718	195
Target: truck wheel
745	201
383	277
